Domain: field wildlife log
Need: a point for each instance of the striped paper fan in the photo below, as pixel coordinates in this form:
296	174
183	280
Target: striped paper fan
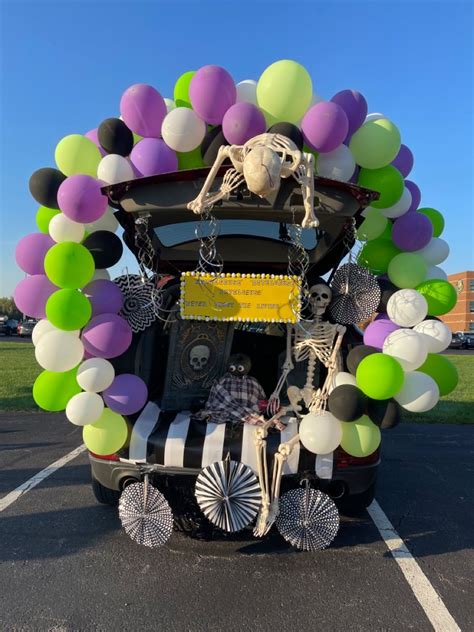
145	514
355	294
140	301
228	494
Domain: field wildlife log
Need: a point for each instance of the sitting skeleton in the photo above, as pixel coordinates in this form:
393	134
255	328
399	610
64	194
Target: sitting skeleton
261	163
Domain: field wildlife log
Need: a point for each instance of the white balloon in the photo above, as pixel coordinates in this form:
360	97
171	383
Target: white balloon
435	252
170	104
407	308
321	433
84	408
408	347
419	392
59	351
101	273
338	164
61	228
400	207
435	272
247	91
106	222
345	378
95	375
42	327
436	333
183	130
374	116
114	168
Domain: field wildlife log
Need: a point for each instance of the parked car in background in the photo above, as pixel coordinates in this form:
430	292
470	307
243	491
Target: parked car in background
457	341
25	328
469	340
9	327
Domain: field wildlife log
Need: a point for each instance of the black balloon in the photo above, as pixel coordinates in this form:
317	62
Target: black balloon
347	402
384	413
105	247
387	288
290	131
210	145
115	137
357	354
44	185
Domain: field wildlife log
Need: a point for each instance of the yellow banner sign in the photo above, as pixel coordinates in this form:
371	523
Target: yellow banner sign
257	298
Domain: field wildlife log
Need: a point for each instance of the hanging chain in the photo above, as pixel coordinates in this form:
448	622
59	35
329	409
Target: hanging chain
207	231
146	263
298	264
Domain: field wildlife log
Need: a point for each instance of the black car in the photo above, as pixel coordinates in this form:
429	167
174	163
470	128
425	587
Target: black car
469	340
9	327
457	341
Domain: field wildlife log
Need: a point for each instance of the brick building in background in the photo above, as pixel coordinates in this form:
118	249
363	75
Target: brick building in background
462	316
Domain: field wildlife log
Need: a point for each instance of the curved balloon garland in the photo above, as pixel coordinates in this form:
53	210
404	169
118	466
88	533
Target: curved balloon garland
69	289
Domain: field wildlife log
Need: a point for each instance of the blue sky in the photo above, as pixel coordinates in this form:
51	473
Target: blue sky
65	65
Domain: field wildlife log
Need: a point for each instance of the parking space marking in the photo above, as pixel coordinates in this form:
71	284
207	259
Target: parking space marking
35	480
437	613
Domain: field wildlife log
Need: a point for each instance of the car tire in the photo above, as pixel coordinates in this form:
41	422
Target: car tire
104	495
356	504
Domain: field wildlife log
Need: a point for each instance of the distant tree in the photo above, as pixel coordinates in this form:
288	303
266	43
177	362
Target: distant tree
8	308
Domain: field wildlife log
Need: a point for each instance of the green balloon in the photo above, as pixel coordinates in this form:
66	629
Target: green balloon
373	225
136	138
68	310
190	159
69	265
107	435
380	376
407	270
435	218
375	144
440	296
387	233
77	154
43	216
181	90
361	437
443	372
388	181
284	92
52	391
377	254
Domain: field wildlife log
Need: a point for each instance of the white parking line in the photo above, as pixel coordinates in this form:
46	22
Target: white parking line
10	498
428	598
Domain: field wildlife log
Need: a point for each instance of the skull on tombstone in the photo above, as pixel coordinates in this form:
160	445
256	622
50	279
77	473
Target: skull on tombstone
320	296
199	357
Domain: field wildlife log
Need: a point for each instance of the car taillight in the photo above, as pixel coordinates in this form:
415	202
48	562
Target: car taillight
342	459
107	457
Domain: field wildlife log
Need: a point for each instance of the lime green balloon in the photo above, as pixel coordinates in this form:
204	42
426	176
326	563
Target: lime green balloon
387	181
380	376
407	270
435	218
181	90
190	159
387	233
107	435
43	216
361	437
375	144
284	92
443	372
68	310
440	296
136	138
377	254
77	154
52	391
69	265
373	225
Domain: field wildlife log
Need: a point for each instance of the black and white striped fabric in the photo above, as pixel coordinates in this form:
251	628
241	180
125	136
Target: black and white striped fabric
176	440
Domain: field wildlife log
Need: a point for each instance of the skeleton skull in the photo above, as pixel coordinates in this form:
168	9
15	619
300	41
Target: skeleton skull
199	357
262	170
320	296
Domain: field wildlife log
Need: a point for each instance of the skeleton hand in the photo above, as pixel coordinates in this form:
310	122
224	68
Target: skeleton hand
341	329
197	205
232	179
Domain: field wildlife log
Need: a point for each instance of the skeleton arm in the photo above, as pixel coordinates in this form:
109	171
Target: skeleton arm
274	401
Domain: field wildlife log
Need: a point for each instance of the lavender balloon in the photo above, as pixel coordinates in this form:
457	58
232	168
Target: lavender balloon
30	252
325	126
126	395
354	105
403	161
212	91
31	294
107	336
412	231
143	109
93	136
378	330
415	195
241	122
152	156
104	296
80	198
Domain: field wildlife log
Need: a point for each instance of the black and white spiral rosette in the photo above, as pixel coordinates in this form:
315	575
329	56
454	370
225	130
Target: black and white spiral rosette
228	494
355	294
145	514
141	301
308	519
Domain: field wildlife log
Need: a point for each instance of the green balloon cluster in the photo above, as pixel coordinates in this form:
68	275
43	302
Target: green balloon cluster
375	144
379	376
407	270
77	154
52	391
69	265
387	181
443	372
377	254
68	310
284	92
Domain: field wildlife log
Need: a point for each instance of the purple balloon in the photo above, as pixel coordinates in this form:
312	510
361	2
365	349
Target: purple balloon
241	122
93	136
412	231
107	336
415	195
126	395
325	126
378	330
354	105
143	109
152	156
31	294
105	297
212	91
80	199
403	161
30	252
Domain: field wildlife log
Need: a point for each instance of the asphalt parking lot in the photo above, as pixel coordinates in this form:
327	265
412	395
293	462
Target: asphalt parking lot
66	564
